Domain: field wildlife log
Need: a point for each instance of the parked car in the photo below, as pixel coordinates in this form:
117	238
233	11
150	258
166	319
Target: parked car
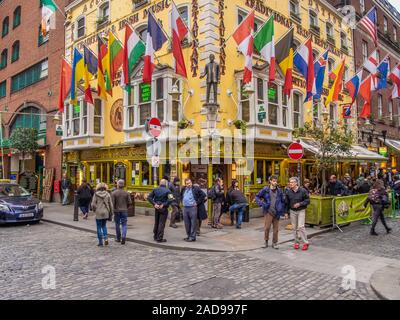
18	205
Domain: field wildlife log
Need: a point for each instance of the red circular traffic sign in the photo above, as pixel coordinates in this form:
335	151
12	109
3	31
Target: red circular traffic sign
295	151
153	127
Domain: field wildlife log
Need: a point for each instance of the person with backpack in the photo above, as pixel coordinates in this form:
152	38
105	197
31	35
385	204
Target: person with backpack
272	200
175	189
84	194
216	195
103	208
379	200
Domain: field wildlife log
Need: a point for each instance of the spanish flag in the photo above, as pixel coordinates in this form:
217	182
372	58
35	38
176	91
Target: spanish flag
334	91
284	58
78	70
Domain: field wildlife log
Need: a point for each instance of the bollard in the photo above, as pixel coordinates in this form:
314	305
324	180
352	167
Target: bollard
76	207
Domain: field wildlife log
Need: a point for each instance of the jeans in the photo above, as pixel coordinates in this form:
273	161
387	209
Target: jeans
190	219
101	225
240	210
65	196
120	218
85	209
160	218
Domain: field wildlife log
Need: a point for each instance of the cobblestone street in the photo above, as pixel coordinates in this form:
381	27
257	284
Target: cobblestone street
133	271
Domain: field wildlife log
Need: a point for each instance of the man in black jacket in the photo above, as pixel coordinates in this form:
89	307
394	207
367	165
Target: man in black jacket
297	200
336	187
160	198
193	207
176	192
65	186
216	195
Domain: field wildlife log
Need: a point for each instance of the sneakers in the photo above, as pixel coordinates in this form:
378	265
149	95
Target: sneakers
305	247
123	241
275	246
296	246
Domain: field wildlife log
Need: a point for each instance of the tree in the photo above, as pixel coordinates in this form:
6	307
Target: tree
24	140
334	142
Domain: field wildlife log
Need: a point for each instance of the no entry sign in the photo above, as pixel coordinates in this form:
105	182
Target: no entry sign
153	127
295	151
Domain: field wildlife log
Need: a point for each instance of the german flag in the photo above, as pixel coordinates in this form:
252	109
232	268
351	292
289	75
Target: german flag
284	57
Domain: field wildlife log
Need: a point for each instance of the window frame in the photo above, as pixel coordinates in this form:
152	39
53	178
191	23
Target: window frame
3	59
15	51
17	17
362	6
380	106
101	18
81	17
330	35
3	89
312	13
385	25
364	50
5	29
301	106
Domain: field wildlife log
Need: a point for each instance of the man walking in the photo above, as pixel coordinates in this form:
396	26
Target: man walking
192	199
175	189
121	200
160	198
65	186
297	200
216	195
271	199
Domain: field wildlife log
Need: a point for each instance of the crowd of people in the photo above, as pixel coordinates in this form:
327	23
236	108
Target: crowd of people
187	204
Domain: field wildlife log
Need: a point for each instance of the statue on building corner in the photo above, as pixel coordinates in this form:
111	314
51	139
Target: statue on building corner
212	71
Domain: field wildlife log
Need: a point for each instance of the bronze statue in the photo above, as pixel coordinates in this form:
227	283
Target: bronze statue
213	77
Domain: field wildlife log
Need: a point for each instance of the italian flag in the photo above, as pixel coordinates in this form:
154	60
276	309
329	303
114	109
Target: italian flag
264	43
243	36
134	48
48	9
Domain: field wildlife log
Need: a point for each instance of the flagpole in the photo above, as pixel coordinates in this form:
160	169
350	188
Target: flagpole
365	15
59	9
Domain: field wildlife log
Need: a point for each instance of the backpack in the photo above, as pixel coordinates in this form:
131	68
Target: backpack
374	196
211	194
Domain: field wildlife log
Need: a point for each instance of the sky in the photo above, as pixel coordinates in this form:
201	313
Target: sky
396	4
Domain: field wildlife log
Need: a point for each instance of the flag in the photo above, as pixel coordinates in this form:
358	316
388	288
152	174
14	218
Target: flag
304	61
365	93
371	63
102	53
337	85
179	32
65	83
48	9
346	112
383	70
319	75
116	55
353	85
133	49
243	36
395	77
284	58
264	43
154	41
78	69
91	65
369	23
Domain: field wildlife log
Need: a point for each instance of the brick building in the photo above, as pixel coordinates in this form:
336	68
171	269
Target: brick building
29	82
384	132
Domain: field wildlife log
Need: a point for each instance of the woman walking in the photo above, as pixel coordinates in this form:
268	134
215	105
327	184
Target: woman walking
102	206
379	200
84	194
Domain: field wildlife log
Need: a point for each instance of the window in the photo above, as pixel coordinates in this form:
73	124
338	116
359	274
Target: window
331	64
97	116
313	20
41	38
394	33
160	98
332	112
257	23
175	105
76	121
144	102
142	32
294	8
184	12
3	59
17	17
385	25
80	28
315	112
273	106
390	110
15	51
5	29
329	30
297	107
244	104
84	117
3	87
103	14
29	76
362	6
364	50
380	106
315	54
285	112
343	40
29	117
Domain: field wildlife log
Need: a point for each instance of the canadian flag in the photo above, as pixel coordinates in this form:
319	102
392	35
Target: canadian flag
243	36
371	64
179	32
395	77
365	92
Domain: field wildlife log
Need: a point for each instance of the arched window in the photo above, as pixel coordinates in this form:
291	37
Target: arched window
142	32
5	29
184	12
29	118
17	17
3	59
15	51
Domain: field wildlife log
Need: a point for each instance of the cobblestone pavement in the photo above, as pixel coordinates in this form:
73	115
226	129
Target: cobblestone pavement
356	238
85	271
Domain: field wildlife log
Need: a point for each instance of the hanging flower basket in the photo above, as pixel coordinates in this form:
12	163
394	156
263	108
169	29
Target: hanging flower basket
183	124
240	124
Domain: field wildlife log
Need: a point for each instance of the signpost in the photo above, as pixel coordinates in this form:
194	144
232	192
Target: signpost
296	152
153	128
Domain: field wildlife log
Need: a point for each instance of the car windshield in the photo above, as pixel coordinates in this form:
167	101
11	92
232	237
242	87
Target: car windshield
11	190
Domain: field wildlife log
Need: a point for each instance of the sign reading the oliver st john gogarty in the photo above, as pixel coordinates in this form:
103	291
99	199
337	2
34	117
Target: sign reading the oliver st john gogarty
144	92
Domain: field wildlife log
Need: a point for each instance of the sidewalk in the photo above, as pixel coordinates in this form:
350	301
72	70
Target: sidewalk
140	230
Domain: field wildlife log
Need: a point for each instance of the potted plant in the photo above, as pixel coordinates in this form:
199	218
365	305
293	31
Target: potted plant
183	124
240	124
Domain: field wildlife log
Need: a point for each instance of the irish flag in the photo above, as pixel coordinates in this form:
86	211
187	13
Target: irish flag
264	43
243	36
133	49
48	9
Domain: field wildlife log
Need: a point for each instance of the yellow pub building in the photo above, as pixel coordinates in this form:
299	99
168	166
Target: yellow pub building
107	141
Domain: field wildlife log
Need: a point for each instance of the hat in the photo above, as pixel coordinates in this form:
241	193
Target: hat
347	175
